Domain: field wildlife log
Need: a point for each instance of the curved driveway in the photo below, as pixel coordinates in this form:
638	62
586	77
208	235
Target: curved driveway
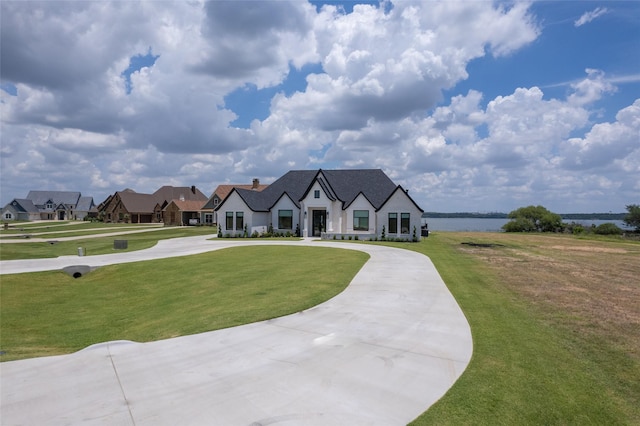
379	353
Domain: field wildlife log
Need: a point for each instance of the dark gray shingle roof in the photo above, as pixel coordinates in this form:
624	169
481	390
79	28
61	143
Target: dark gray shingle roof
85	204
343	185
23	205
40	198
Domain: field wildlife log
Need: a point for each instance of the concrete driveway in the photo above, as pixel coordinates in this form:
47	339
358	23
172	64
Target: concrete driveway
379	353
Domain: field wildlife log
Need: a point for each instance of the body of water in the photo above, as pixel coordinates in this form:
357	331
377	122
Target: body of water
472	224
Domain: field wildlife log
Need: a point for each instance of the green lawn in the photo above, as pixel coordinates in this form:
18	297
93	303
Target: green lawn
21	228
48	313
528	367
101	245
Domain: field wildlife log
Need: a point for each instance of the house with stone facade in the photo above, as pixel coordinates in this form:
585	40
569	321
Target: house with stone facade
134	207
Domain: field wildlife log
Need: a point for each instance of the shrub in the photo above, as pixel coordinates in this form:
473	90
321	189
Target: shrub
608	229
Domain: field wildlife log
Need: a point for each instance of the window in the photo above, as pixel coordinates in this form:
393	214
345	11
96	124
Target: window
361	220
8	216
229	223
285	219
404	222
316	193
208	218
393	223
239	221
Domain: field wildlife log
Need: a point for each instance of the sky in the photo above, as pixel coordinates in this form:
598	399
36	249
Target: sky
472	106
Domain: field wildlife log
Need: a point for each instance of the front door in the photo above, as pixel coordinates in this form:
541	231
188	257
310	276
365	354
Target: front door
319	222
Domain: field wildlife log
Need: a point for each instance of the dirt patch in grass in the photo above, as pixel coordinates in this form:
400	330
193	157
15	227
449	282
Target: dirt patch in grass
589	288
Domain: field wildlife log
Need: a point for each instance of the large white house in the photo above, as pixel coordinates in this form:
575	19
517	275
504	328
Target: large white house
323	203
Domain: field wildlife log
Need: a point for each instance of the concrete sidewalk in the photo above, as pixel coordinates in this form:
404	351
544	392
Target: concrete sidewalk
381	352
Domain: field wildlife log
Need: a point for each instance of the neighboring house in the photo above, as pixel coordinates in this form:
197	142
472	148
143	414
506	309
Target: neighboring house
182	212
324	203
130	206
49	205
134	207
209	215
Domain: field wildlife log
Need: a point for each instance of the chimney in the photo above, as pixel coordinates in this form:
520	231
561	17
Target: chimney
256	184
193	189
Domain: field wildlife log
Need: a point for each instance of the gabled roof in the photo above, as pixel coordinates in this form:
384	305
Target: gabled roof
40	198
168	193
374	184
138	203
222	191
342	185
23	205
399	188
85	204
187	205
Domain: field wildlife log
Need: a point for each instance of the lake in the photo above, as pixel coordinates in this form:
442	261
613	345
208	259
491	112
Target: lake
493	225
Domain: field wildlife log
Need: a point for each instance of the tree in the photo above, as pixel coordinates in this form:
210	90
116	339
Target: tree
532	219
633	216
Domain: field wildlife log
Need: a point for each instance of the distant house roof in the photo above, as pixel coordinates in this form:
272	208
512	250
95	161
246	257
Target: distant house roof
187	205
168	193
24	205
40	198
85	204
223	190
343	185
138	203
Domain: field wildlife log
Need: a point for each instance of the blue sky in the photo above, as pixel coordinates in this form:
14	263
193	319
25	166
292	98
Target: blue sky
472	106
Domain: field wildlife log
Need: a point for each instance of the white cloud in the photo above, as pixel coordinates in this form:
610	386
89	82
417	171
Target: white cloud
590	16
376	102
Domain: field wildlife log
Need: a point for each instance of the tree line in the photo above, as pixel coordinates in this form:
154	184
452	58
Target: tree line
539	219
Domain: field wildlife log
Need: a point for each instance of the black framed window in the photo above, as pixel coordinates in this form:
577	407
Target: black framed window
405	219
316	193
239	221
285	219
393	223
361	220
229	220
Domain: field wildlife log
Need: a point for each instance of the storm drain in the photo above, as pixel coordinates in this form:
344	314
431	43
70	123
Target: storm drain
77	271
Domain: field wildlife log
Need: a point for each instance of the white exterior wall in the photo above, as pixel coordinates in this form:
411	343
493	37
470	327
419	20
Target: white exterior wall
285	203
234	204
399	203
309	203
360	203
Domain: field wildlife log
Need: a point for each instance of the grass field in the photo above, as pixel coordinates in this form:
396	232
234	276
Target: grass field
556	328
101	245
48	313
